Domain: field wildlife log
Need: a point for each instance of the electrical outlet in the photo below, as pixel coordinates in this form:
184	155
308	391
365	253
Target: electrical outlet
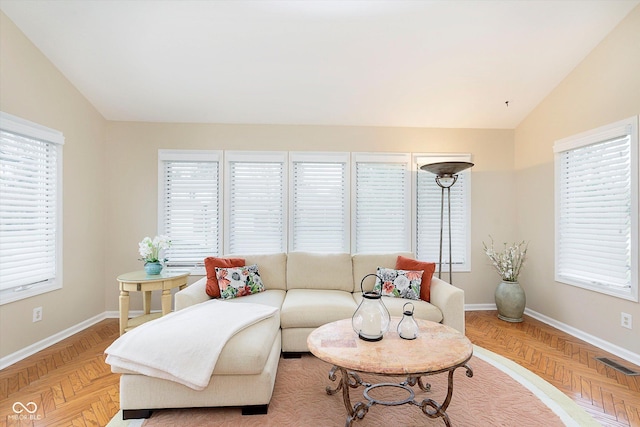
626	320
37	314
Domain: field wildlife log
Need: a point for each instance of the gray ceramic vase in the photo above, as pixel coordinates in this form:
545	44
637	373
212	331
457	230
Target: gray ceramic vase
510	300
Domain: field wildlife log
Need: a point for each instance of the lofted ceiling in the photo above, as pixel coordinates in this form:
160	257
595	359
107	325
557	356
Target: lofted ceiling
431	63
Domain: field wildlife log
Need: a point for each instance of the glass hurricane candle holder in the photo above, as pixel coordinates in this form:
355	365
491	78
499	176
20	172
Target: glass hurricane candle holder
371	319
408	328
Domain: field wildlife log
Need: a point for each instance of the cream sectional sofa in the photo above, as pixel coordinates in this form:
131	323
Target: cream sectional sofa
310	290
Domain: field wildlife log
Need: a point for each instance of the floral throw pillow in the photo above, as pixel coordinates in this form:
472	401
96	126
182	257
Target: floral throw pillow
239	281
398	283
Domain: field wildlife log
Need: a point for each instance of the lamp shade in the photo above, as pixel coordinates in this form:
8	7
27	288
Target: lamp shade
446	168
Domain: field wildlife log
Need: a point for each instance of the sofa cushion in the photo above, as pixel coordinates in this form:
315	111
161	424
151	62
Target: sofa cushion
364	264
398	283
310	308
237	282
319	271
428	268
273	268
247	351
422	309
210	264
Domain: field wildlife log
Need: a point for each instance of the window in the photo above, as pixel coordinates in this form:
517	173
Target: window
427	214
319	207
327	202
30	209
382	203
597	209
255	200
189	206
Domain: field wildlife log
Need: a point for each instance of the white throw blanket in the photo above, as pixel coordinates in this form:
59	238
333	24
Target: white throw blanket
184	346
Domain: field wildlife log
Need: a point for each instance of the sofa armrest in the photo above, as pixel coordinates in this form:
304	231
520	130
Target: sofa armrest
450	300
192	294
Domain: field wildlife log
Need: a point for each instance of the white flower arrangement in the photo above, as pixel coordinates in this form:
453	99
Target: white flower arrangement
150	249
508	262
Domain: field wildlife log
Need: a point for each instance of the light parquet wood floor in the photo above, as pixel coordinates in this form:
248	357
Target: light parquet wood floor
72	386
568	363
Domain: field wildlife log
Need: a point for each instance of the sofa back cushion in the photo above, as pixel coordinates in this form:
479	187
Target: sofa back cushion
364	264
427	268
307	270
210	264
272	267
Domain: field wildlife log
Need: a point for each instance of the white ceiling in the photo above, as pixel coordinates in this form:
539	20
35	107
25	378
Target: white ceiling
378	63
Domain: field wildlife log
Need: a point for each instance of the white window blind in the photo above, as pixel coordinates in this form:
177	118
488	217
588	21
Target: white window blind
256	203
596	209
382	191
190	207
428	208
319	203
30	208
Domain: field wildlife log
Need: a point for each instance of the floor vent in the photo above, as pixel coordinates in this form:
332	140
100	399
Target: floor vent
615	365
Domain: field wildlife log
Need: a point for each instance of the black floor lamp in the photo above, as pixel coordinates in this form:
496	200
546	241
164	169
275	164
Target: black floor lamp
446	175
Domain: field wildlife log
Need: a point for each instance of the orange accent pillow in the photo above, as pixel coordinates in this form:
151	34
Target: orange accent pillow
404	263
210	264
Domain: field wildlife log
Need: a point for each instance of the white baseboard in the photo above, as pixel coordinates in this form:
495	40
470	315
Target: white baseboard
591	339
132	313
598	342
47	342
479	307
53	339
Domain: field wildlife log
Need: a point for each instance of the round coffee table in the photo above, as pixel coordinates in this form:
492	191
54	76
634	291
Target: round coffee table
437	349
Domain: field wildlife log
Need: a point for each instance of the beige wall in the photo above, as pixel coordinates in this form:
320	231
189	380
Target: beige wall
31	88
604	88
131	179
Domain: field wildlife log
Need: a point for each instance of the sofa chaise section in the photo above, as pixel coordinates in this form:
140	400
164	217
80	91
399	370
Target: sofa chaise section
244	376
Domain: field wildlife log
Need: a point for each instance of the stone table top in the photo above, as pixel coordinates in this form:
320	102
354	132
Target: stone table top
437	347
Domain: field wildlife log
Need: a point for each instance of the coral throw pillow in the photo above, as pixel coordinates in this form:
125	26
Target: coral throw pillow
210	264
237	282
404	263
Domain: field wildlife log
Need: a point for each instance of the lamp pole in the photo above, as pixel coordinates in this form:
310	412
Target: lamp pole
446	176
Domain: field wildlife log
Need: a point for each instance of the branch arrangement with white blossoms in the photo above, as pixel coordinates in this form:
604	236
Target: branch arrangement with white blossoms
150	249
508	262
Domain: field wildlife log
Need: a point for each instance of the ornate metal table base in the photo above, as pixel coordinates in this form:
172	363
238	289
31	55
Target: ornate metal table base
431	408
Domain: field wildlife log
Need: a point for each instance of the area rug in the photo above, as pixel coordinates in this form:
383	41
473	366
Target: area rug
500	393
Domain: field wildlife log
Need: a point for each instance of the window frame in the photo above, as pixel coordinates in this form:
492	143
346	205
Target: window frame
253	157
399	158
602	134
288	158
190	156
37	132
320	157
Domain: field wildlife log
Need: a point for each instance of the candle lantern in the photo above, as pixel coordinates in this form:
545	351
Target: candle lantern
371	319
408	328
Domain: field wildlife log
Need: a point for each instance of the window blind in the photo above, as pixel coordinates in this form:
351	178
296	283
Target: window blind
30	208
594	214
256	207
428	208
382	206
190	206
319	203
